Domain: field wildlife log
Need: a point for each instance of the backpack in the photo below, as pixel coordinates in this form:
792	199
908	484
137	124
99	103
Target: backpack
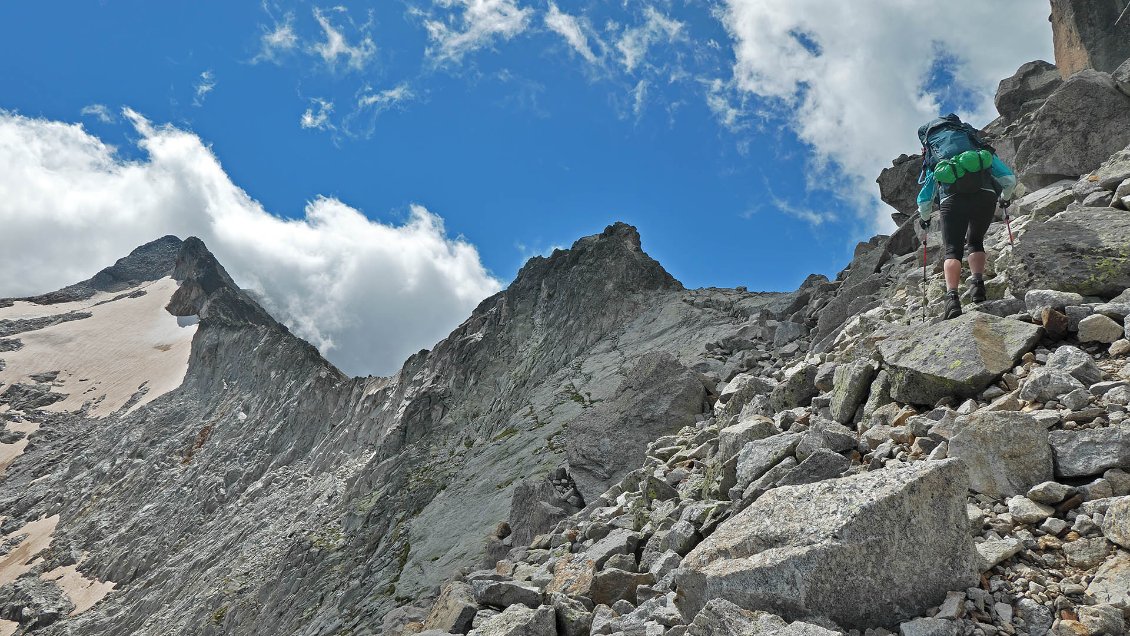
957	155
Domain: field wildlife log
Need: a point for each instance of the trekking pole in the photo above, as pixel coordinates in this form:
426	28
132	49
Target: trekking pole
925	240
1007	221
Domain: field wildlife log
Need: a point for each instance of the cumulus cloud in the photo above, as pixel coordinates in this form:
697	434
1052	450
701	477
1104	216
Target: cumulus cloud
479	23
635	41
337	46
366	293
320	119
277	41
206	85
569	27
98	111
853	79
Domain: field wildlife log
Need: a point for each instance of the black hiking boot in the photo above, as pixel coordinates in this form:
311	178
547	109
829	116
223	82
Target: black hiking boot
953	306
977	290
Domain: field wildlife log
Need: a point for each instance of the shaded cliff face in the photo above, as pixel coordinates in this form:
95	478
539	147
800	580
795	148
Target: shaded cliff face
269	493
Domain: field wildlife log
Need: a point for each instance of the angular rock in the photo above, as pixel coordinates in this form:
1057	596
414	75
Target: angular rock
1065	138
611	585
1111	585
502	594
1049	492
1048	383
517	620
850	389
820	465
1114	170
722	618
929	627
1027	89
865	550
746	382
1086	251
1102	619
573	619
572	575
826	434
732	438
1082	453
658	397
1089	34
1037	300
759	456
1085	553
1046	202
453	610
957	357
1099	328
796	389
1027	511
619	541
995	551
1121	77
1006	453
1116	522
1076	362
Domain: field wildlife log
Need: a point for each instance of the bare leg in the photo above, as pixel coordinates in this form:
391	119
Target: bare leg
952	269
977	262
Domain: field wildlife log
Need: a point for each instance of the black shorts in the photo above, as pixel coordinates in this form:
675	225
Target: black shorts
965	219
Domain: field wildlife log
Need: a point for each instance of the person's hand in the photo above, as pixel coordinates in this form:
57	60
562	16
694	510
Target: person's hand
1004	203
925	223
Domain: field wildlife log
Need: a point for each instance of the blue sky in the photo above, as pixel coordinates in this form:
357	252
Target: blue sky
741	137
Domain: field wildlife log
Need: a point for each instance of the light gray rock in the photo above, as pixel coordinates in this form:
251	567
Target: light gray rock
1037	300
1081	251
619	541
1048	383
958	357
573	619
1076	362
1102	619
1116	522
1027	511
1038	618
994	551
1085	553
759	456
1082	453
1113	171
820	465
722	618
1006	453
1121	77
797	388
844	549
1046	202
1111	585
1049	492
453	610
732	438
502	594
850	389
1099	328
518	620
929	627
825	434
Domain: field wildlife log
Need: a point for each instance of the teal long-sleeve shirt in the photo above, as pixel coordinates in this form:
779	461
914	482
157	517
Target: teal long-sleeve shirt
928	195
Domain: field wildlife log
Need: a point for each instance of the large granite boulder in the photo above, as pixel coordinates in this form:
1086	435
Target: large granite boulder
1087	452
957	357
1006	453
1027	89
1089	34
1086	251
871	549
1080	125
658	397
518	620
454	609
898	184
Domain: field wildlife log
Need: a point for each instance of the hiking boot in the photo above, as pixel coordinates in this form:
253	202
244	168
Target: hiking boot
953	306
977	290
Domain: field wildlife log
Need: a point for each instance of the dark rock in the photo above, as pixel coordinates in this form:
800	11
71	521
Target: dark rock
1089	34
611	585
1027	89
898	184
29	396
820	465
150	262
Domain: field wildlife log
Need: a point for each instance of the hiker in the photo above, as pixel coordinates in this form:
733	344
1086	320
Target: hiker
962	176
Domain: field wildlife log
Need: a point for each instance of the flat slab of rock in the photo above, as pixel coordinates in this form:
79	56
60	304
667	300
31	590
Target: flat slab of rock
866	550
722	618
957	357
1086	251
1089	452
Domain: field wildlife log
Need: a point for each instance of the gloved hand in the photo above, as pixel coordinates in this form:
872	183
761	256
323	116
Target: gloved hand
925	223
1004	203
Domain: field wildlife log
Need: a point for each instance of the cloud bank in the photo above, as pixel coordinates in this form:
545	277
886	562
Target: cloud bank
365	293
856	79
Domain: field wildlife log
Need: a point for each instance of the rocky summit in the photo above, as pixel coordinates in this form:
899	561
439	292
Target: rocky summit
598	450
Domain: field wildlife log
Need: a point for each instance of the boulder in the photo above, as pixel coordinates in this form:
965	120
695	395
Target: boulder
611	585
866	550
1113	172
1027	89
1099	328
535	508
732	438
658	397
820	465
722	618
850	388
1006	453
518	620
930	627
1089	34
959	357
797	388
759	456
898	184
572	575
1111	585
1081	124
502	594
1116	522
1036	301
1076	362
1086	251
1086	452
1046	202
453	610
1048	383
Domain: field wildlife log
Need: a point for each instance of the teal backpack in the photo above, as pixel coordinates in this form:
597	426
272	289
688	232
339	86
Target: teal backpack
956	155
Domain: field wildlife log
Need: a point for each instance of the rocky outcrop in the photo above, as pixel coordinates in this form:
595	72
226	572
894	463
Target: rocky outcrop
1090	34
898	186
861	551
150	262
1086	251
1027	89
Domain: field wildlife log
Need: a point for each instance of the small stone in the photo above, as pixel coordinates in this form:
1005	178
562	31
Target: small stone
995	551
1119	347
1025	510
1053	526
953	607
927	627
1049	492
1077	399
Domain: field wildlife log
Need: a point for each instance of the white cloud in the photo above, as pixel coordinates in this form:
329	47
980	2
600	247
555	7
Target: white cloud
719	103
206	84
852	77
639	98
366	293
317	120
336	45
570	28
98	111
385	99
480	22
276	41
635	42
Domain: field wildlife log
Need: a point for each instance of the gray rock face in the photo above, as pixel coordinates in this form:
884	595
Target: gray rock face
862	551
1121	77
1089	452
1083	251
759	456
1006	453
1077	362
517	620
1089	34
1065	140
1027	89
850	389
957	357
659	396
536	507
